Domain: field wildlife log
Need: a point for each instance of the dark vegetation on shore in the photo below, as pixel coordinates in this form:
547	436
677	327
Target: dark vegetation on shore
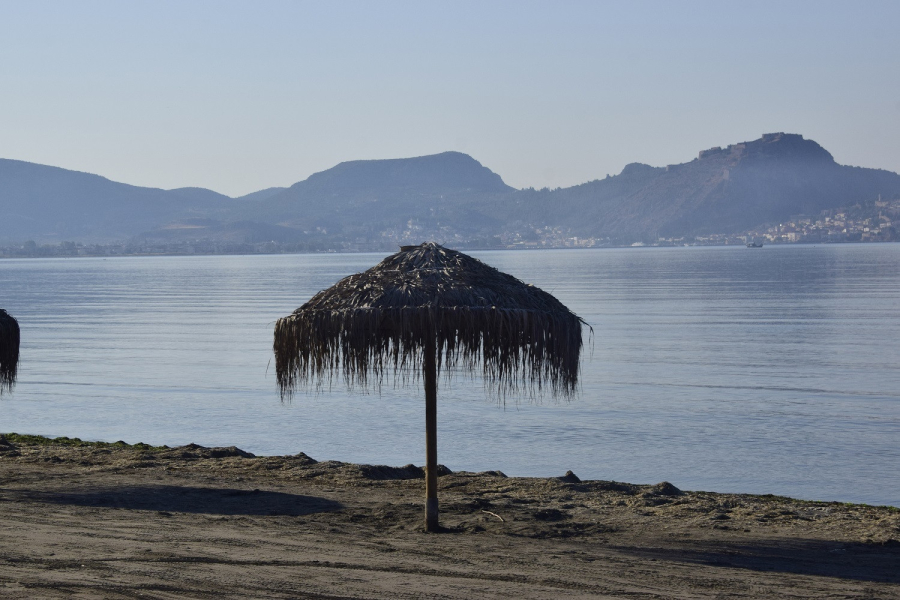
36	447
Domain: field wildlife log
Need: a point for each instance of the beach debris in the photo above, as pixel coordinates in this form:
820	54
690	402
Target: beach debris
195	451
655	495
664	488
383	472
492	473
570	477
304	459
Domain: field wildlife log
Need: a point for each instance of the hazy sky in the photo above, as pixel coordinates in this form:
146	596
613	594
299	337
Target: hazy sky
239	96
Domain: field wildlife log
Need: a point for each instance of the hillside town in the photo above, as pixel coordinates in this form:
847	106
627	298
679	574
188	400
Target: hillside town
878	221
875	221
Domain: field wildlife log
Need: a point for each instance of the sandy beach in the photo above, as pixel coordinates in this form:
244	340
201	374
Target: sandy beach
88	520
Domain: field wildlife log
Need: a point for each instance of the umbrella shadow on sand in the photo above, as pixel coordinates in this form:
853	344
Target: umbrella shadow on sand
215	501
844	560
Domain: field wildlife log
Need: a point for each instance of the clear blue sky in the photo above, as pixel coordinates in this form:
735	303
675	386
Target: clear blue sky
239	96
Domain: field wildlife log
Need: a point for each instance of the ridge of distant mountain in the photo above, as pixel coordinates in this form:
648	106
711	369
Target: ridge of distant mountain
447	172
365	197
449	197
200	194
261	194
48	203
44	202
723	190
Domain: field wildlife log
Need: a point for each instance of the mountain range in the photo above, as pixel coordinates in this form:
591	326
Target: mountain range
448	197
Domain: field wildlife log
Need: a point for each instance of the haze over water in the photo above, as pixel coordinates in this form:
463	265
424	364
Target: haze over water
722	369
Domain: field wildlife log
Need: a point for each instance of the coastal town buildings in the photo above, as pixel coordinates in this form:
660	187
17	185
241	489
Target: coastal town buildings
875	221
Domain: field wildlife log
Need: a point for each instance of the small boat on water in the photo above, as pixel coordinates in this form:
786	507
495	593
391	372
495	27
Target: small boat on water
754	244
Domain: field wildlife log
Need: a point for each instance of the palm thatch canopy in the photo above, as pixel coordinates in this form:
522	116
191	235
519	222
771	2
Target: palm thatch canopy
9	351
428	296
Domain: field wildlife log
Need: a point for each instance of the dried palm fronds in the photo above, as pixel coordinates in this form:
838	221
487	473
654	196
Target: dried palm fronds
380	322
9	351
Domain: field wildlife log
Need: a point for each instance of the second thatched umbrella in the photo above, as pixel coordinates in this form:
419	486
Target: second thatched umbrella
9	351
424	310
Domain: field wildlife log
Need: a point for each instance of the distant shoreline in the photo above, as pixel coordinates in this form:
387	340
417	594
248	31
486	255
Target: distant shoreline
4	256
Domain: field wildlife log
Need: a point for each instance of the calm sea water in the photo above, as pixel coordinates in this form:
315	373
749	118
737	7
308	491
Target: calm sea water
725	369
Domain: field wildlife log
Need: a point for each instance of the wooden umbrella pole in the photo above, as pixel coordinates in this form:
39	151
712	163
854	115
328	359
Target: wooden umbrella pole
431	501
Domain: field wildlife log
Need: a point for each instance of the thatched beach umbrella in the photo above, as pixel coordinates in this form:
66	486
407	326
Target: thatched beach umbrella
9	351
421	311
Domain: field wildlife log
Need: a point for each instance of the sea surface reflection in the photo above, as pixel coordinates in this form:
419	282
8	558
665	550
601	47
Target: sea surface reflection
725	369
